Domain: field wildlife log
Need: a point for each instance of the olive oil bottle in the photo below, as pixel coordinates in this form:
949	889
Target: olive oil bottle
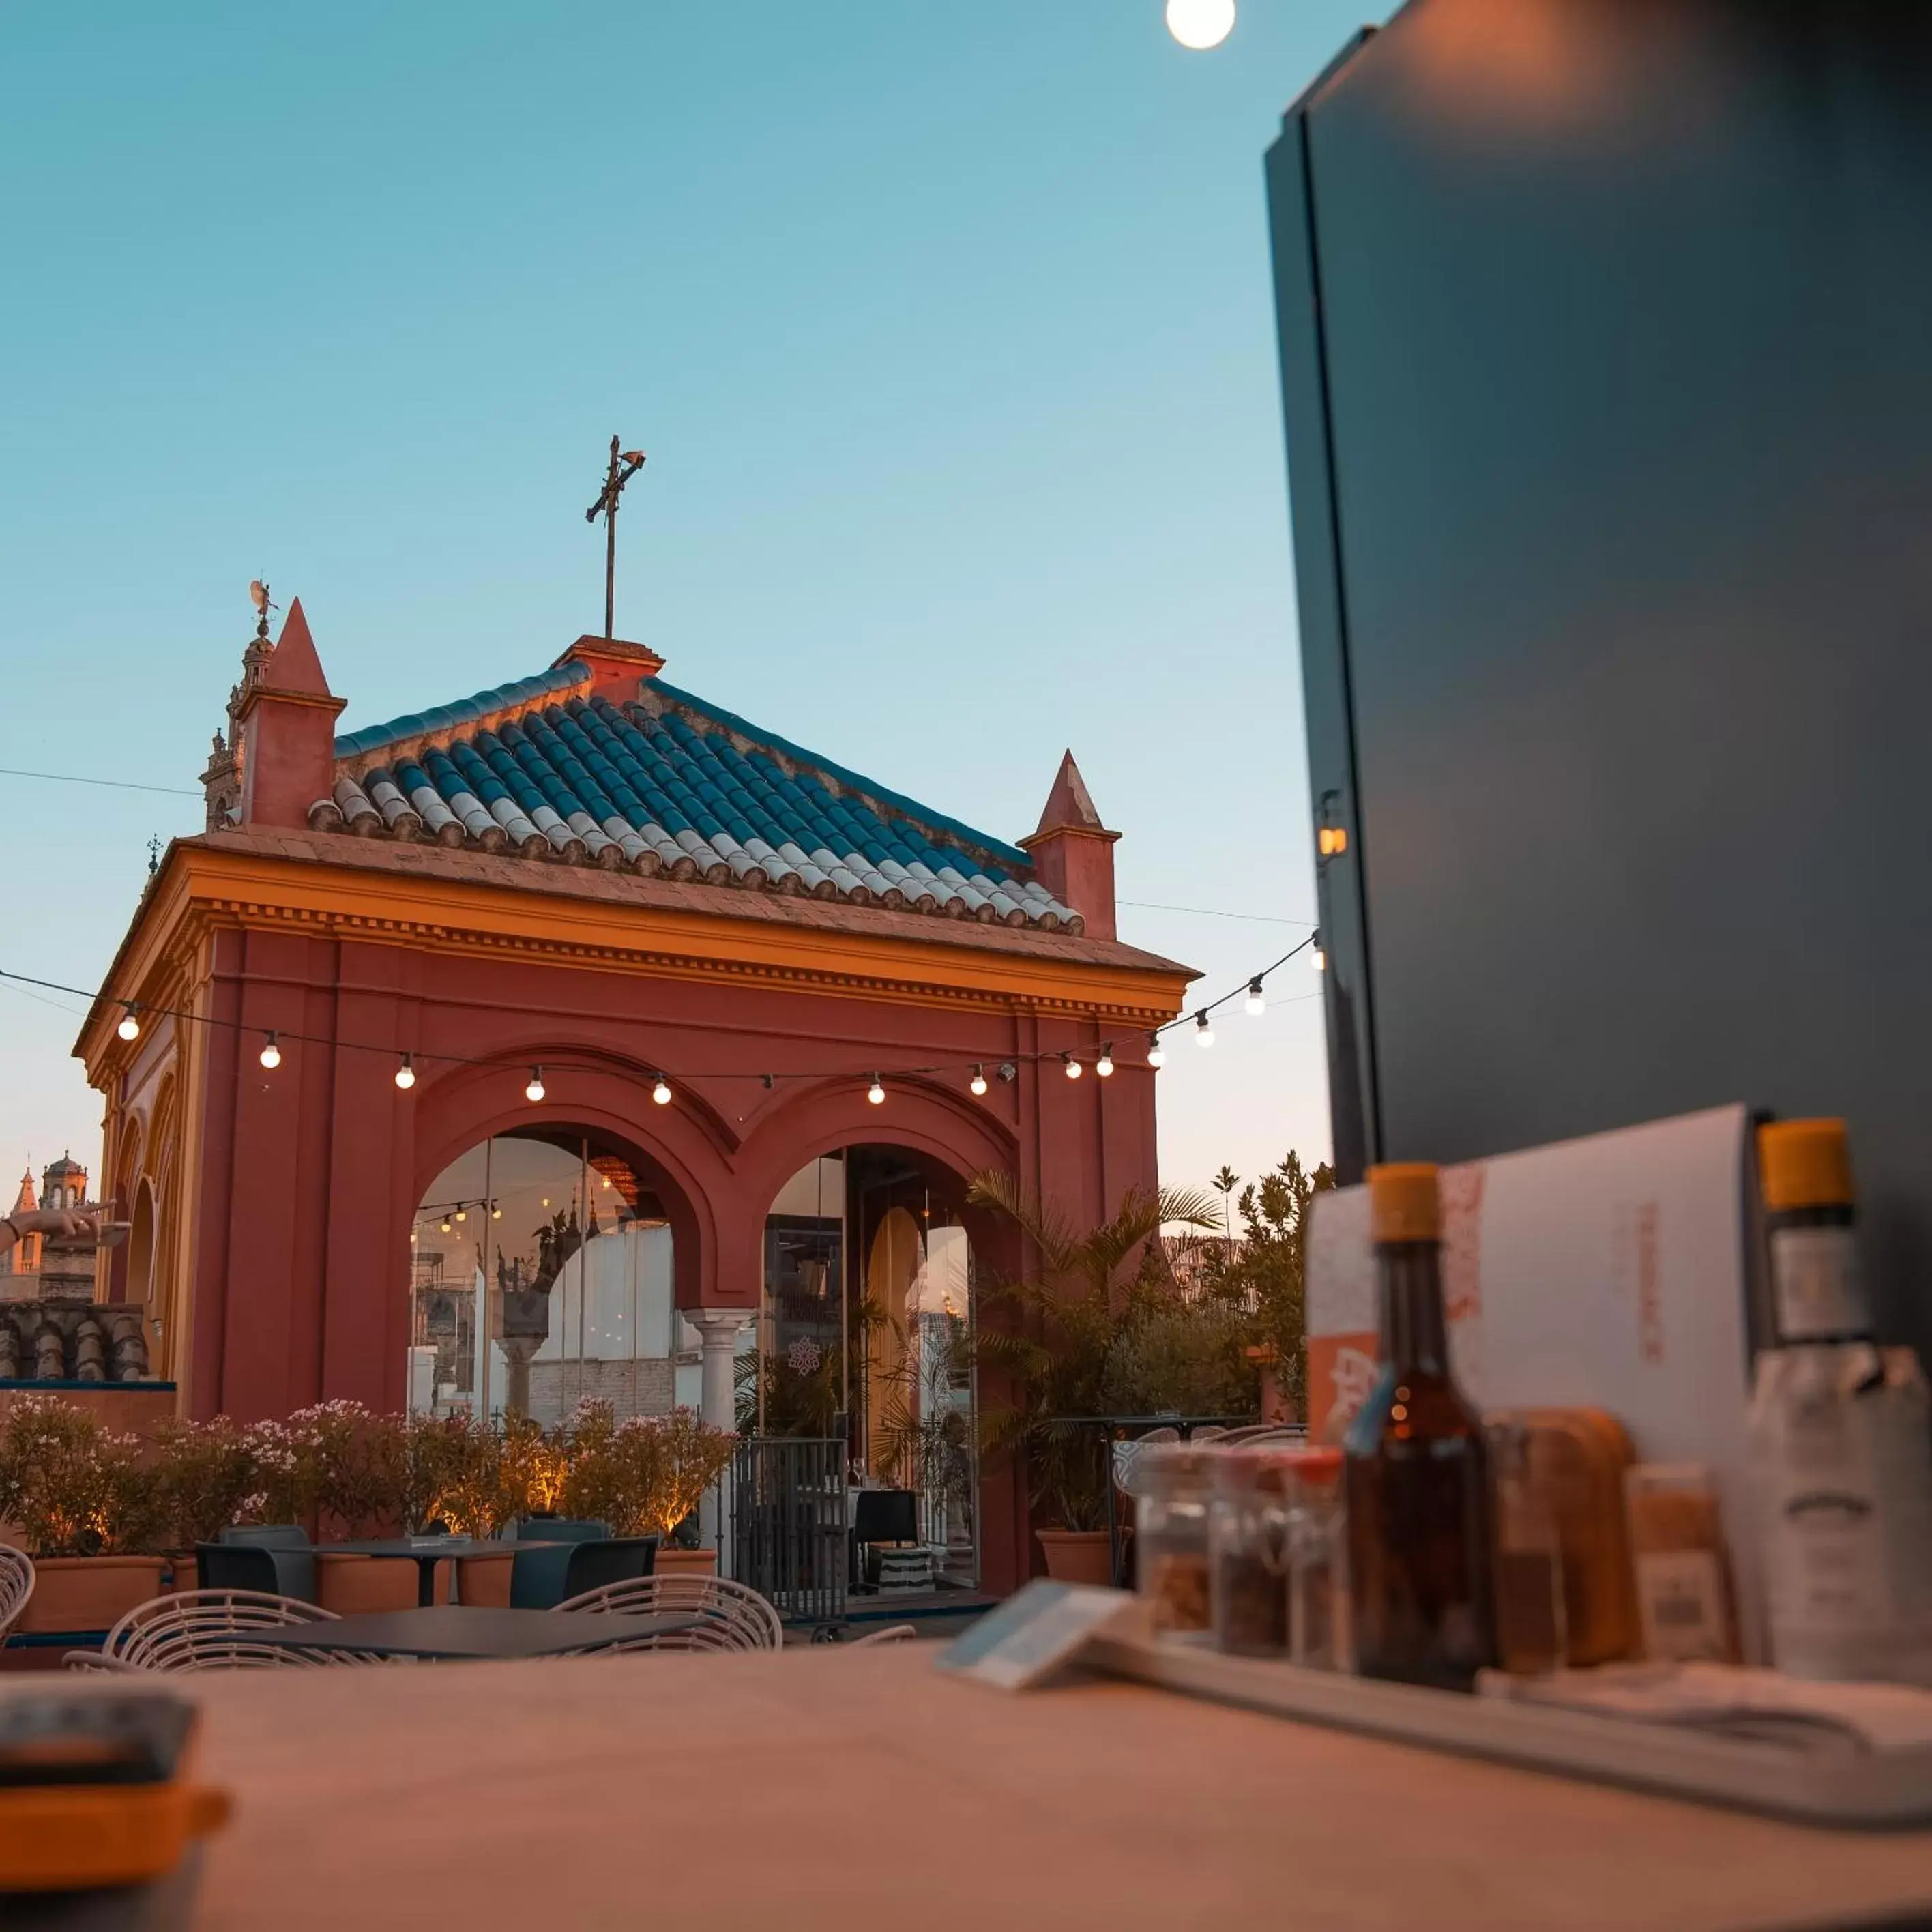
1417	1475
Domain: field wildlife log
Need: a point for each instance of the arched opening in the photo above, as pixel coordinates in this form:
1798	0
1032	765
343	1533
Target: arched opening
140	1286
541	1274
865	1335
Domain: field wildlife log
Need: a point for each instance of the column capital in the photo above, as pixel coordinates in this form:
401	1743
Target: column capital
717	1325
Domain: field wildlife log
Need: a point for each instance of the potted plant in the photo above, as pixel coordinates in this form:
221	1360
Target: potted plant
91	1512
645	1475
1068	1314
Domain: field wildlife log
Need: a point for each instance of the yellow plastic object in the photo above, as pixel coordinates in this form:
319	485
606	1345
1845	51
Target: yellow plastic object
1804	1164
68	1837
1404	1204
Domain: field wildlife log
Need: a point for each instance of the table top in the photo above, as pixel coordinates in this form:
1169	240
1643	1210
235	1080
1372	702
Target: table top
827	1787
425	1551
457	1630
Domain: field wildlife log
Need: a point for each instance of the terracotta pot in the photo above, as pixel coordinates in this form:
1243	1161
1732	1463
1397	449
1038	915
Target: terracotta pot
89	1593
484	1581
672	1561
1077	1555
349	1585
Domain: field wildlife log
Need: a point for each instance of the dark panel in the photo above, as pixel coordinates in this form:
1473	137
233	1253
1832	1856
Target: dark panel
1625	345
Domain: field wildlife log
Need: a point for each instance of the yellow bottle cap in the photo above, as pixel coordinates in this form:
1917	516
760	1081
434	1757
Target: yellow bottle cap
1804	1164
1403	1205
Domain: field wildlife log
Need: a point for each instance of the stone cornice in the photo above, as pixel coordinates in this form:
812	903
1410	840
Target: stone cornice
208	884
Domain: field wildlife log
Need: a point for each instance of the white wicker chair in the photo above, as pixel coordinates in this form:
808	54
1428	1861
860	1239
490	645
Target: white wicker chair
731	1616
892	1633
208	1630
16	1584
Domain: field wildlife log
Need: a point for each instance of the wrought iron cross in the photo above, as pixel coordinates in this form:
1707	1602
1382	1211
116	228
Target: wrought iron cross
625	463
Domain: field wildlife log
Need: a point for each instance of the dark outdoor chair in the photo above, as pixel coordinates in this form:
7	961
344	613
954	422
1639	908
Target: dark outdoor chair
622	1559
293	1554
881	1516
538	1575
236	1566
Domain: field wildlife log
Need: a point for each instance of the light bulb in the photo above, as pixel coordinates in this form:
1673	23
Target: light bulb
405	1075
271	1054
445	1224
661	1093
497	1213
1157	1053
1200	24
412	1237
546	1201
1204	1034
875	1093
462	1214
1317	958
979	1080
535	1091
130	1027
1255	1004
1104	1066
1073	1066
606	1188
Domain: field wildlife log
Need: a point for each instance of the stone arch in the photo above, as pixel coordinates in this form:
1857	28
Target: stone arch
675	1148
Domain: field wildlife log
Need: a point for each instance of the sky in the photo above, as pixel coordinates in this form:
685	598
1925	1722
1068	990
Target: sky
947	326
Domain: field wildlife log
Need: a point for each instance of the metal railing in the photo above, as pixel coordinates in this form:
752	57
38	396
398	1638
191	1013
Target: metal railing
788	1522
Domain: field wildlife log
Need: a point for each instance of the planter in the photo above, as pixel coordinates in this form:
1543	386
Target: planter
89	1593
351	1585
1077	1555
672	1561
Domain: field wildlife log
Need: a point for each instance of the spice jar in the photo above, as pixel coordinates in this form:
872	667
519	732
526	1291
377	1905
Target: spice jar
1173	1481
1248	1529
1531	1630
1318	1596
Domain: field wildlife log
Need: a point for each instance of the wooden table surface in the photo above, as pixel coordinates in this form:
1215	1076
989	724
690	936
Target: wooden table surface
830	1787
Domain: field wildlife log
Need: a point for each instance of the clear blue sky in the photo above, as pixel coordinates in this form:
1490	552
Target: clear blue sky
949	330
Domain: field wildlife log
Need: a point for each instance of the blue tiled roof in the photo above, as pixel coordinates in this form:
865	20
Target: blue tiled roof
667	784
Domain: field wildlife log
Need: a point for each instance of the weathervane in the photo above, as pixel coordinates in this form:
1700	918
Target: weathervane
258	596
625	463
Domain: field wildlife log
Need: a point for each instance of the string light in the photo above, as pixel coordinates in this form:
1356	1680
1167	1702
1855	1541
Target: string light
1204	1034
412	1237
445	1224
462	1212
875	1093
1332	841
606	1188
534	1091
1104	1066
978	1077
271	1054
1254	1004
130	1027
497	1210
1157	1053
405	1075
1317	957
661	1093
546	1201
1073	1066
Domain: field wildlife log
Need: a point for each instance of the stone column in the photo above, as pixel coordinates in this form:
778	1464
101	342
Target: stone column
718	1330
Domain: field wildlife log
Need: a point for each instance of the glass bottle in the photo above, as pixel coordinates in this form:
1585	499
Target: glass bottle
1416	1469
1837	1428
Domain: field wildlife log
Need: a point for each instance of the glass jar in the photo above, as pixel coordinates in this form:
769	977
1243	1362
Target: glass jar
1318	1589
1172	1482
1531	1633
1250	1523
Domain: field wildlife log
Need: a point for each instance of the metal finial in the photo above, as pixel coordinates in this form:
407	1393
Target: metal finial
624	464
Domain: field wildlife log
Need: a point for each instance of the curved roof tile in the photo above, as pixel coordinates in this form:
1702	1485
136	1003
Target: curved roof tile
670	784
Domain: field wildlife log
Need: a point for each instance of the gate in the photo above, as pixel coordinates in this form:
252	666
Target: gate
788	1532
